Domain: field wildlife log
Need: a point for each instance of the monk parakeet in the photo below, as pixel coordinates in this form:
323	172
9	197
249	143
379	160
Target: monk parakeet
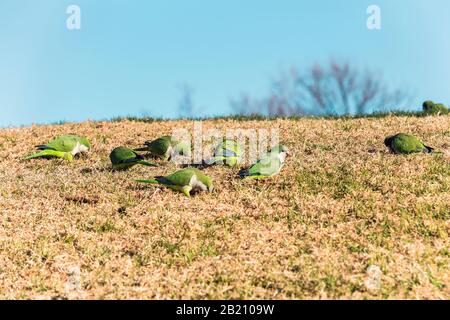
228	152
434	108
184	180
403	143
123	158
269	165
66	147
165	147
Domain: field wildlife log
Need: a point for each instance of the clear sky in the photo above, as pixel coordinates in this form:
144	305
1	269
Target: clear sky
131	56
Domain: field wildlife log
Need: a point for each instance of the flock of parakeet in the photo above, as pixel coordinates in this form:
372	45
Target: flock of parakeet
228	152
187	180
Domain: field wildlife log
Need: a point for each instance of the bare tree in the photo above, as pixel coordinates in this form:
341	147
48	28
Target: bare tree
333	89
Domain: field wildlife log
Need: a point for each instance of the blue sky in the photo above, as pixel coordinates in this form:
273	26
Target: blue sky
131	56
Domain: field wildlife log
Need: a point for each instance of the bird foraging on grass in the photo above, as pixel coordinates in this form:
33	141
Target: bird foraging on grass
228	152
268	166
123	158
165	147
187	181
65	147
430	107
403	143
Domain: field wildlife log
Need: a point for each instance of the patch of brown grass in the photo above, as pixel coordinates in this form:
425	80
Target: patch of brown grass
340	204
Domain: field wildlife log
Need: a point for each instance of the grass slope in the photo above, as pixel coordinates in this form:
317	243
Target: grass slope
340	205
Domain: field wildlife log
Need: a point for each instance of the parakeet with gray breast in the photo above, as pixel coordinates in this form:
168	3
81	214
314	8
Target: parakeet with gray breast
269	165
429	107
165	147
403	143
65	147
228	152
187	181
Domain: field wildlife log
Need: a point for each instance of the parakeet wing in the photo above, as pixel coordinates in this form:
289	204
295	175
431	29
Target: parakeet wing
267	166
404	143
228	148
235	147
181	177
225	153
159	146
64	143
122	154
124	158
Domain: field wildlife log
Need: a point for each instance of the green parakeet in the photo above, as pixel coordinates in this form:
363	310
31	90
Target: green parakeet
185	180
65	147
165	147
403	143
123	158
269	165
434	108
228	152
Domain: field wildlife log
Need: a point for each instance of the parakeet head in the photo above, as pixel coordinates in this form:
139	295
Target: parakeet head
280	149
388	141
208	183
285	149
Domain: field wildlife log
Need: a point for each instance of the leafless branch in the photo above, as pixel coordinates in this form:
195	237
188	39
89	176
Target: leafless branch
333	89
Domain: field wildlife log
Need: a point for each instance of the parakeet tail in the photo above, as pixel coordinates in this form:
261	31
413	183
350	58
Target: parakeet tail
429	149
151	181
36	155
433	151
141	149
146	163
43	147
51	153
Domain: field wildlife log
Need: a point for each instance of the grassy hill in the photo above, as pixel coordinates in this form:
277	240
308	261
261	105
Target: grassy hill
341	205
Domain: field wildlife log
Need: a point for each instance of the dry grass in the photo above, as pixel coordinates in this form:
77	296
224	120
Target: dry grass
341	204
